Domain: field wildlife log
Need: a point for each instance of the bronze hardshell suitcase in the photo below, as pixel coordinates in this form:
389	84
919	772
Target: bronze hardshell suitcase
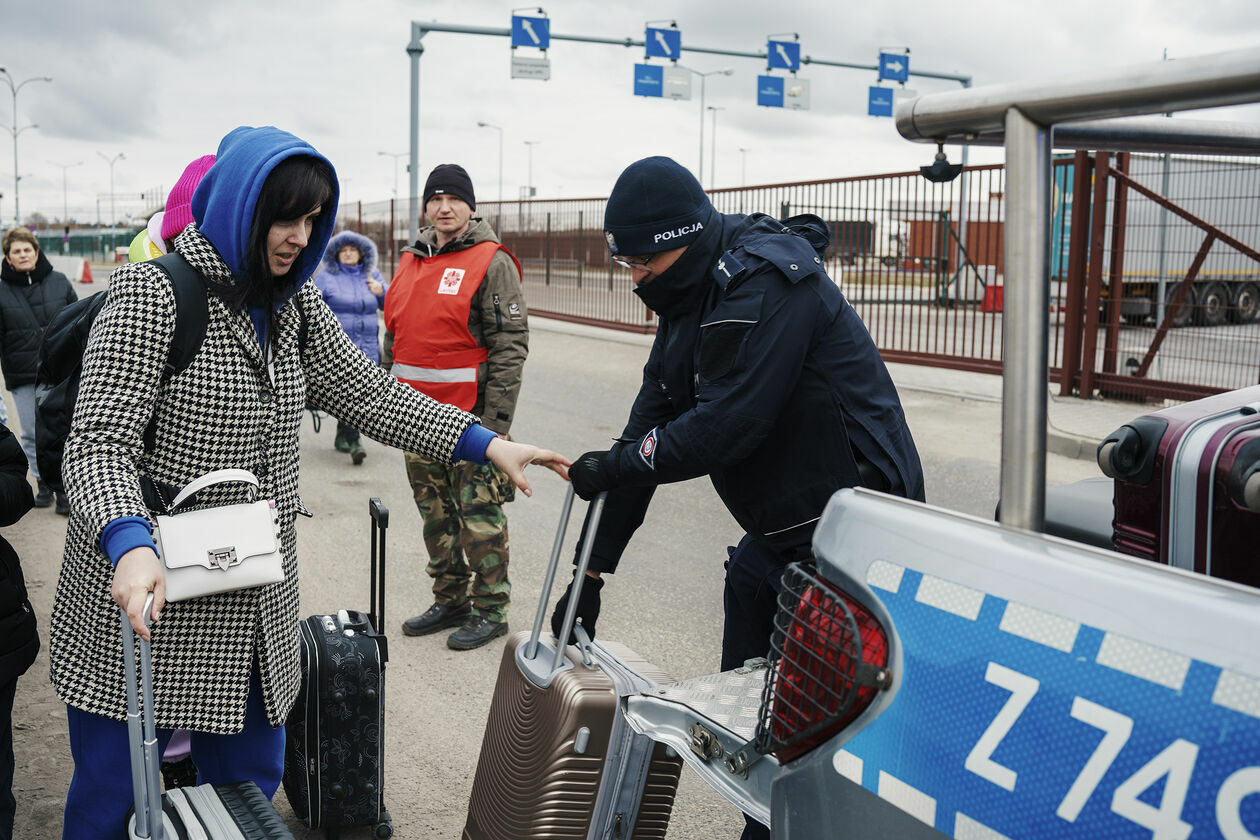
558	759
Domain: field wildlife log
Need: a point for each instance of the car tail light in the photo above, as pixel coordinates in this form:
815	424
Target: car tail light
829	658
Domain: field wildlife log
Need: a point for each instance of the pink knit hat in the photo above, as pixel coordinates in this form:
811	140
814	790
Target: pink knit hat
178	215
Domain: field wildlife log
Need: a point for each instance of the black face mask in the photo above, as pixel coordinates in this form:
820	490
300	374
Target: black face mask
682	287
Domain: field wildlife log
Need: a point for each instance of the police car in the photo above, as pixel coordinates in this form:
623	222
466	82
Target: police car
939	675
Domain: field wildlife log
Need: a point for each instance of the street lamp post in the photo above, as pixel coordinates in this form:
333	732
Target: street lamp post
65	205
530	186
743	167
496	128
113	215
395	157
713	146
725	71
14	88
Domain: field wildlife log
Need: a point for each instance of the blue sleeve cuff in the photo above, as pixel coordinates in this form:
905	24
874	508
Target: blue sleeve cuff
472	444
124	534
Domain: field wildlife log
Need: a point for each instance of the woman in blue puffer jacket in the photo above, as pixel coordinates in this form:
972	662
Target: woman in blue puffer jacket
355	291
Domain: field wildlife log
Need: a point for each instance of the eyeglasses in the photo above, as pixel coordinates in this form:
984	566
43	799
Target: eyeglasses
633	263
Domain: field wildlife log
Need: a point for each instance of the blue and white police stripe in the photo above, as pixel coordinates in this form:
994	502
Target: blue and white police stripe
1012	722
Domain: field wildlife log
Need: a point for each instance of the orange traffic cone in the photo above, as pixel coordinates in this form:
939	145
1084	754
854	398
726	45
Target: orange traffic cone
87	272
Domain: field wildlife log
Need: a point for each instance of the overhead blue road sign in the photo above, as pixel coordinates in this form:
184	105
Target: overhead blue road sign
770	91
879	102
649	79
894	67
663	43
783	55
531	32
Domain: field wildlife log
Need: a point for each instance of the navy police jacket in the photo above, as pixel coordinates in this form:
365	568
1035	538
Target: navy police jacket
762	377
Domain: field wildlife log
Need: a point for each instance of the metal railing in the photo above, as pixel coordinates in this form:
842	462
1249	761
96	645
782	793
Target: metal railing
1026	114
923	264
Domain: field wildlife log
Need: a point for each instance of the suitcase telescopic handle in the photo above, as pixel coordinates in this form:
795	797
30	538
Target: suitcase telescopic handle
380	524
142	738
579	576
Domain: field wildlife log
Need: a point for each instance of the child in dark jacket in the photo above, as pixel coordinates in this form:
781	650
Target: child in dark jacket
19	638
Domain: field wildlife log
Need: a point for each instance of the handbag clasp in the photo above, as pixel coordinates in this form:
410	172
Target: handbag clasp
223	557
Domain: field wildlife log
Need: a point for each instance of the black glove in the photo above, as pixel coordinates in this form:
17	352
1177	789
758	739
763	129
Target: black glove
593	473
587	608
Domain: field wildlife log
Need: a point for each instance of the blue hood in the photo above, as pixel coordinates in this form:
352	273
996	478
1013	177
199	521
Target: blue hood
367	251
223	205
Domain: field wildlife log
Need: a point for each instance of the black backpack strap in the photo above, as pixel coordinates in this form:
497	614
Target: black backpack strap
192	312
192	315
303	323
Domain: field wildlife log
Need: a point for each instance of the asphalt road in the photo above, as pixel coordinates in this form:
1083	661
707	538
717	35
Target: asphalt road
665	602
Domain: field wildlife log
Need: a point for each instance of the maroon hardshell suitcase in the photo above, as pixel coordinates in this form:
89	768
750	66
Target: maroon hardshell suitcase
558	760
1187	485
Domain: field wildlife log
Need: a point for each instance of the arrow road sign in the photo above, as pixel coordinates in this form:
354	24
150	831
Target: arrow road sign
531	32
649	79
783	55
879	102
770	91
894	67
663	43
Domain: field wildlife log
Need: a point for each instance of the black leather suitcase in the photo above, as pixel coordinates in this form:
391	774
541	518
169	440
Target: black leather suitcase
237	811
334	762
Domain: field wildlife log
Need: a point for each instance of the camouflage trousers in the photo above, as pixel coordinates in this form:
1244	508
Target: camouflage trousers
465	531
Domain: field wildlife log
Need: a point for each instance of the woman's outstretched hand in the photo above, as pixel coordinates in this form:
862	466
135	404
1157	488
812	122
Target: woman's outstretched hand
513	458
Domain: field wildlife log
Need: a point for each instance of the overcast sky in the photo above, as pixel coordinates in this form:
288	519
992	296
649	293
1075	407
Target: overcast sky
162	82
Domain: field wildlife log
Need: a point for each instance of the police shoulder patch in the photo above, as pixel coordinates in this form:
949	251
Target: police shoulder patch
647	449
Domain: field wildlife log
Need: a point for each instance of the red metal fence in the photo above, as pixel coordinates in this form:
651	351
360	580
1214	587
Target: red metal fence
922	265
1169	292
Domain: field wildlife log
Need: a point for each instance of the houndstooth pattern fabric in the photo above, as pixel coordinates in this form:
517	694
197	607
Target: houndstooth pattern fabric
226	410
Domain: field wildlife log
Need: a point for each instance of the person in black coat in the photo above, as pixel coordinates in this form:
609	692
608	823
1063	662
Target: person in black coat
761	377
19	637
31	295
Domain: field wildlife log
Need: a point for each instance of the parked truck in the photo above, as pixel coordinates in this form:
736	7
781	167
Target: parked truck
1161	244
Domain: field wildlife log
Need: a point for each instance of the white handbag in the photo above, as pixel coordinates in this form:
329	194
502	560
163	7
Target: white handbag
219	549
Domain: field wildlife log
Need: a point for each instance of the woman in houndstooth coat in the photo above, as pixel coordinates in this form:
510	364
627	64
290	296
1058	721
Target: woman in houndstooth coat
225	666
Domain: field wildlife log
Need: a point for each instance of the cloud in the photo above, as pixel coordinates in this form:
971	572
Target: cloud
164	82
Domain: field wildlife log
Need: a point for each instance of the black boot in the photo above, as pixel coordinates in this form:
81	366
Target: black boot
63	504
44	498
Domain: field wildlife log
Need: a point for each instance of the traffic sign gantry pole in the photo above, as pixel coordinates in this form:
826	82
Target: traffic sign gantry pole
415	50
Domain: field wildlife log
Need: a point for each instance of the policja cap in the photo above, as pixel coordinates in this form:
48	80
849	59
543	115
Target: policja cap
656	205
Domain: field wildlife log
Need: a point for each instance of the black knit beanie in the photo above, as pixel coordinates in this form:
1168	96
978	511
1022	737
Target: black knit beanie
451	179
656	205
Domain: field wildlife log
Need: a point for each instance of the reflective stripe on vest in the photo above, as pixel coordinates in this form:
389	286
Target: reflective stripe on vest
419	374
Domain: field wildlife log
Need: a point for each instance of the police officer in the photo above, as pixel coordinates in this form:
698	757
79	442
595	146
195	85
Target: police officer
761	376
